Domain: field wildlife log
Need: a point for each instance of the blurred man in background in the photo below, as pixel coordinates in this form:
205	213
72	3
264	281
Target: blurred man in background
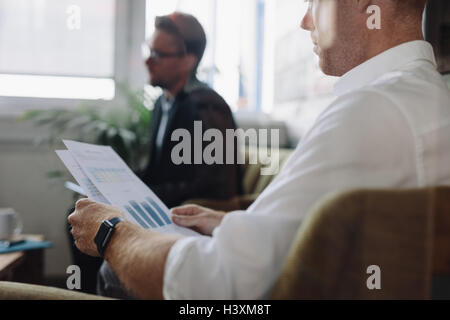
173	56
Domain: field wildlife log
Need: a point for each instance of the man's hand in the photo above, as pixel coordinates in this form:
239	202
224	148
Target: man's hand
86	221
198	218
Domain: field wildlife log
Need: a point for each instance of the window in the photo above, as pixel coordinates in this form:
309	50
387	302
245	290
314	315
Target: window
57	48
301	90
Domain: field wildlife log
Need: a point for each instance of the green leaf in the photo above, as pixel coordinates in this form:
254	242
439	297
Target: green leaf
55	174
125	126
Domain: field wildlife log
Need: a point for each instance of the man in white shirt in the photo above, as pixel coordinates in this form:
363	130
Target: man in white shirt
389	127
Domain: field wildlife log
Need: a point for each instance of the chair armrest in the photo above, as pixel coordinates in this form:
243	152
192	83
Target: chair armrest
247	200
229	205
234	204
20	291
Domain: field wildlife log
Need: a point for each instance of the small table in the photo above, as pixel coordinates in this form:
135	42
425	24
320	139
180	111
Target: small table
23	266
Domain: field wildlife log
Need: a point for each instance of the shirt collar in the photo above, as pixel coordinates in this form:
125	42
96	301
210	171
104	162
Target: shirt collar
194	84
166	103
385	62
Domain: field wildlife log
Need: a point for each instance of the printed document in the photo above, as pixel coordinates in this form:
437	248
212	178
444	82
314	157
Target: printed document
106	178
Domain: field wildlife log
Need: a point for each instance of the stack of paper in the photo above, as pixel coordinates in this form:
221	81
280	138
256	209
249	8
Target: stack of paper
106	178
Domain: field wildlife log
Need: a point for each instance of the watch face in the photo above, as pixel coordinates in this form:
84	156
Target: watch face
108	235
101	238
104	233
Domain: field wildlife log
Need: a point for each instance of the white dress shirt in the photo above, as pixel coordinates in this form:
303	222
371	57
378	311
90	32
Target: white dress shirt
388	128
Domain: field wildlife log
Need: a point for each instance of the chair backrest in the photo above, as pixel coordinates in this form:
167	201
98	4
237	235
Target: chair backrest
354	241
441	232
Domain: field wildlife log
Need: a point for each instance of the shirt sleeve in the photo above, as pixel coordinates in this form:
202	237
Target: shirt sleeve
358	142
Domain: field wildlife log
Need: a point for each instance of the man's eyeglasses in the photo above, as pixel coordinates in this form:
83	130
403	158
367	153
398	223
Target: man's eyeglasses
156	56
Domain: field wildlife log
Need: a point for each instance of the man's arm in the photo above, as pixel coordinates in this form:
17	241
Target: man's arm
138	256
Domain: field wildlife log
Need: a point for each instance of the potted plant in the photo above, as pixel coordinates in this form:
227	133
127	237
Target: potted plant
124	126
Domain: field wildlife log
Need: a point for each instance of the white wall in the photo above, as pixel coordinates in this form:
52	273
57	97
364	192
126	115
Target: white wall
25	187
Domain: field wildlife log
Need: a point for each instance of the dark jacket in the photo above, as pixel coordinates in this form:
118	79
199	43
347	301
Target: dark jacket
175	184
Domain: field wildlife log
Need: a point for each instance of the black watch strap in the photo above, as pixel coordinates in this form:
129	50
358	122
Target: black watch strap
105	233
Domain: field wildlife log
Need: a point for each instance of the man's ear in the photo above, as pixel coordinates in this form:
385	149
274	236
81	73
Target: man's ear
191	61
364	4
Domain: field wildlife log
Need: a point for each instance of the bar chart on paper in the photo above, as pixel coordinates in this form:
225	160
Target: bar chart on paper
148	213
143	209
113	179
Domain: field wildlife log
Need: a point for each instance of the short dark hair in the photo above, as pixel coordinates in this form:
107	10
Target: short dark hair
186	28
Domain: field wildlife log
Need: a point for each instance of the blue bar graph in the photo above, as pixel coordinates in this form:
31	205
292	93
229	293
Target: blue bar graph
160	211
136	216
142	213
152	213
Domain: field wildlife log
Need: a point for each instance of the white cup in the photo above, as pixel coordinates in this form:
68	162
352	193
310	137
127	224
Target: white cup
10	224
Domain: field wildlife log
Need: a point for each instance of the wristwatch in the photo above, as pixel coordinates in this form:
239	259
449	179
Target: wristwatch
105	233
